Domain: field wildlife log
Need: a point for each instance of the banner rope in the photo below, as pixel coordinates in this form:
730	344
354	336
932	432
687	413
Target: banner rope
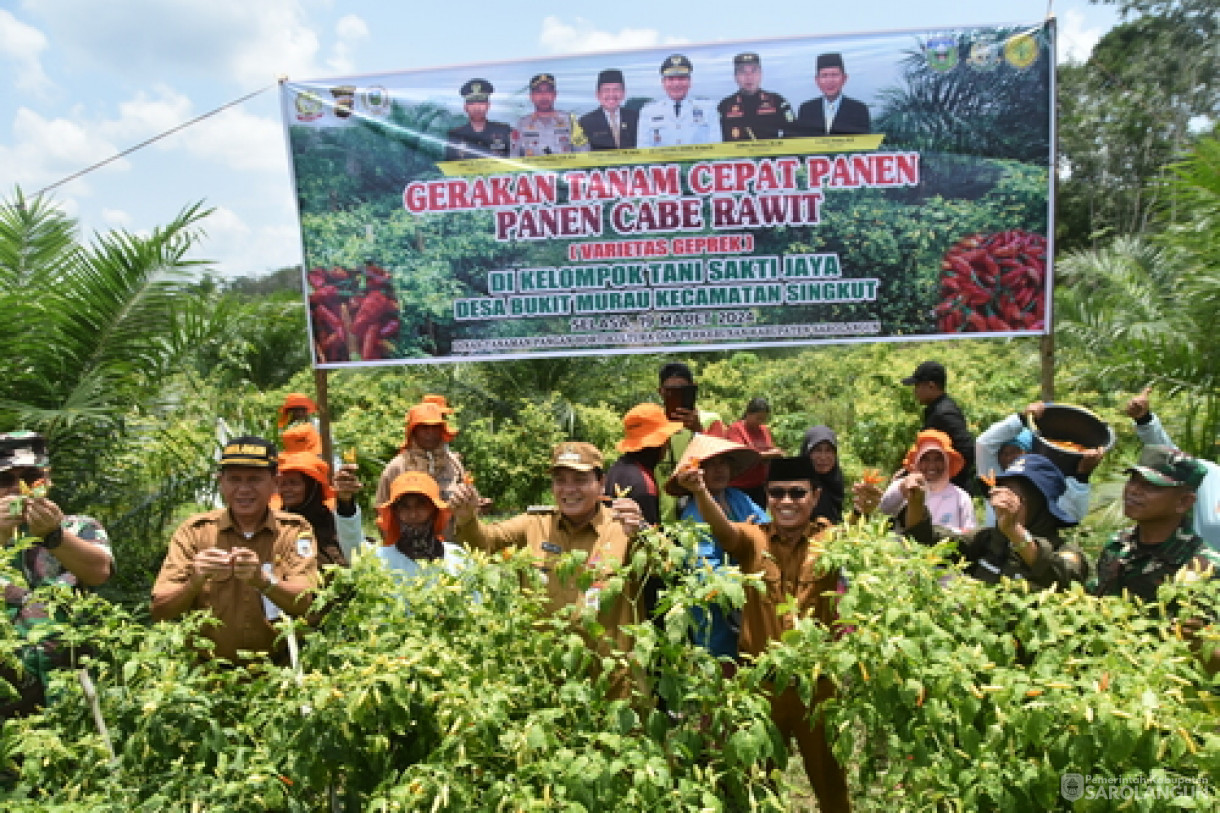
155	139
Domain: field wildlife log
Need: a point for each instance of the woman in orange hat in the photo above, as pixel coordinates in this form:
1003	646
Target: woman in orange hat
305	489
412	522
934	461
426	449
646	434
297	432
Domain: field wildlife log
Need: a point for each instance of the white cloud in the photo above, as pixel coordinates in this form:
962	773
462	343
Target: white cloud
23	45
116	218
1075	40
234	248
580	36
43	151
246	41
351	32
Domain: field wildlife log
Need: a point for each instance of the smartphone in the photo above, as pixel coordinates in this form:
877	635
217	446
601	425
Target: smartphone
679	398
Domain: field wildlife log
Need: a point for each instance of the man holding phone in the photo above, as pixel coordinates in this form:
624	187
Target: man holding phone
245	563
678	393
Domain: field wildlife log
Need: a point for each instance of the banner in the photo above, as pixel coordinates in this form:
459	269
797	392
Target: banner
876	187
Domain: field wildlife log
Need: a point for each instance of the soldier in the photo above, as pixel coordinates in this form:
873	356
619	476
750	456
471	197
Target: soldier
478	138
611	126
547	131
832	113
676	119
752	113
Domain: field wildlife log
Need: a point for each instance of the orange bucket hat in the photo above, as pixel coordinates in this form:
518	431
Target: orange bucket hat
702	447
411	482
440	401
645	426
428	414
295	400
934	439
301	438
312	467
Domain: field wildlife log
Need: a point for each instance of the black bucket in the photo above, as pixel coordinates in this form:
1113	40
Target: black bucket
1070	423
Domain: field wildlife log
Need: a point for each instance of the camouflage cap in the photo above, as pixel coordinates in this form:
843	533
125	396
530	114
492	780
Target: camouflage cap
22	448
1166	466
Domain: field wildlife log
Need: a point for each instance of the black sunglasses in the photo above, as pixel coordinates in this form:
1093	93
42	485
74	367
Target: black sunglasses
9	478
793	492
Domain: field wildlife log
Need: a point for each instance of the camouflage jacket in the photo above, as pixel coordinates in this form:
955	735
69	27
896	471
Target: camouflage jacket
1125	564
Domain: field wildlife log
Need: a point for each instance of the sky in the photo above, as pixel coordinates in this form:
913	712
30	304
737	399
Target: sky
81	81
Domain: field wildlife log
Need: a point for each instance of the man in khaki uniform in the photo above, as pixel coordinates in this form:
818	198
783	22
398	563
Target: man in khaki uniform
579	520
245	563
786	552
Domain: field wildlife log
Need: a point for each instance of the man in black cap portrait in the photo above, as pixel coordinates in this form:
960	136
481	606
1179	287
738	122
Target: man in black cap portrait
678	118
245	563
832	113
547	131
752	113
611	126
478	138
942	412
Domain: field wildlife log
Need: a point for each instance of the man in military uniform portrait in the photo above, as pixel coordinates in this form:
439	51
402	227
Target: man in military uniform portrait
752	113
832	113
478	138
677	119
547	131
610	126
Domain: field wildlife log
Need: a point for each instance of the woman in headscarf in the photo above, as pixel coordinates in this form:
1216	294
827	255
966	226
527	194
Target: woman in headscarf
821	446
305	489
934	460
720	460
412	523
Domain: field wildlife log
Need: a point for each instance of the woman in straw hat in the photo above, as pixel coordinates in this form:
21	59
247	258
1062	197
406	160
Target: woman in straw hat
934	461
720	460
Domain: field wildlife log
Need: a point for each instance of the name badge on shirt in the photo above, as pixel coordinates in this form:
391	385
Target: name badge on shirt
304	546
551	547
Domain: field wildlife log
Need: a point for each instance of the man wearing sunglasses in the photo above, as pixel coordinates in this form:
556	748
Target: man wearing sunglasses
66	549
786	552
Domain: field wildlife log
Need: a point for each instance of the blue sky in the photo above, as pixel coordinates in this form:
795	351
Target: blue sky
82	80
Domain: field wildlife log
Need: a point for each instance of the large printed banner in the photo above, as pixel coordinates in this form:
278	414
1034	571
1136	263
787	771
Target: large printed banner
866	188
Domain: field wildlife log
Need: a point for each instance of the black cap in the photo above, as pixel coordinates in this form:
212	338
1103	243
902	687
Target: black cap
830	61
476	90
792	468
676	65
249	451
747	58
542	79
932	371
610	76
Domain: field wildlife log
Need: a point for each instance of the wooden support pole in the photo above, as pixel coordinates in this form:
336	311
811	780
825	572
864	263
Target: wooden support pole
319	383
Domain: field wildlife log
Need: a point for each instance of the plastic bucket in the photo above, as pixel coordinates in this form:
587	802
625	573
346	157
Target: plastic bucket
1064	422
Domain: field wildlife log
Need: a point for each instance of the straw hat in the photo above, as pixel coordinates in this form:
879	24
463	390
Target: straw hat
411	482
705	446
645	426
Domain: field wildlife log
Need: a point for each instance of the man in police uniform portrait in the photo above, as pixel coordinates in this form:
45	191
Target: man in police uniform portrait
610	126
752	113
478	138
547	131
832	113
677	119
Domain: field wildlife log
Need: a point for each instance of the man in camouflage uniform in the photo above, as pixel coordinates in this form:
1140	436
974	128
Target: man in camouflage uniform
752	113
63	549
1159	495
547	131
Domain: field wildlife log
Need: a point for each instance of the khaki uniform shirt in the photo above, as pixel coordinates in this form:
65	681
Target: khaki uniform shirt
547	536
786	571
285	541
